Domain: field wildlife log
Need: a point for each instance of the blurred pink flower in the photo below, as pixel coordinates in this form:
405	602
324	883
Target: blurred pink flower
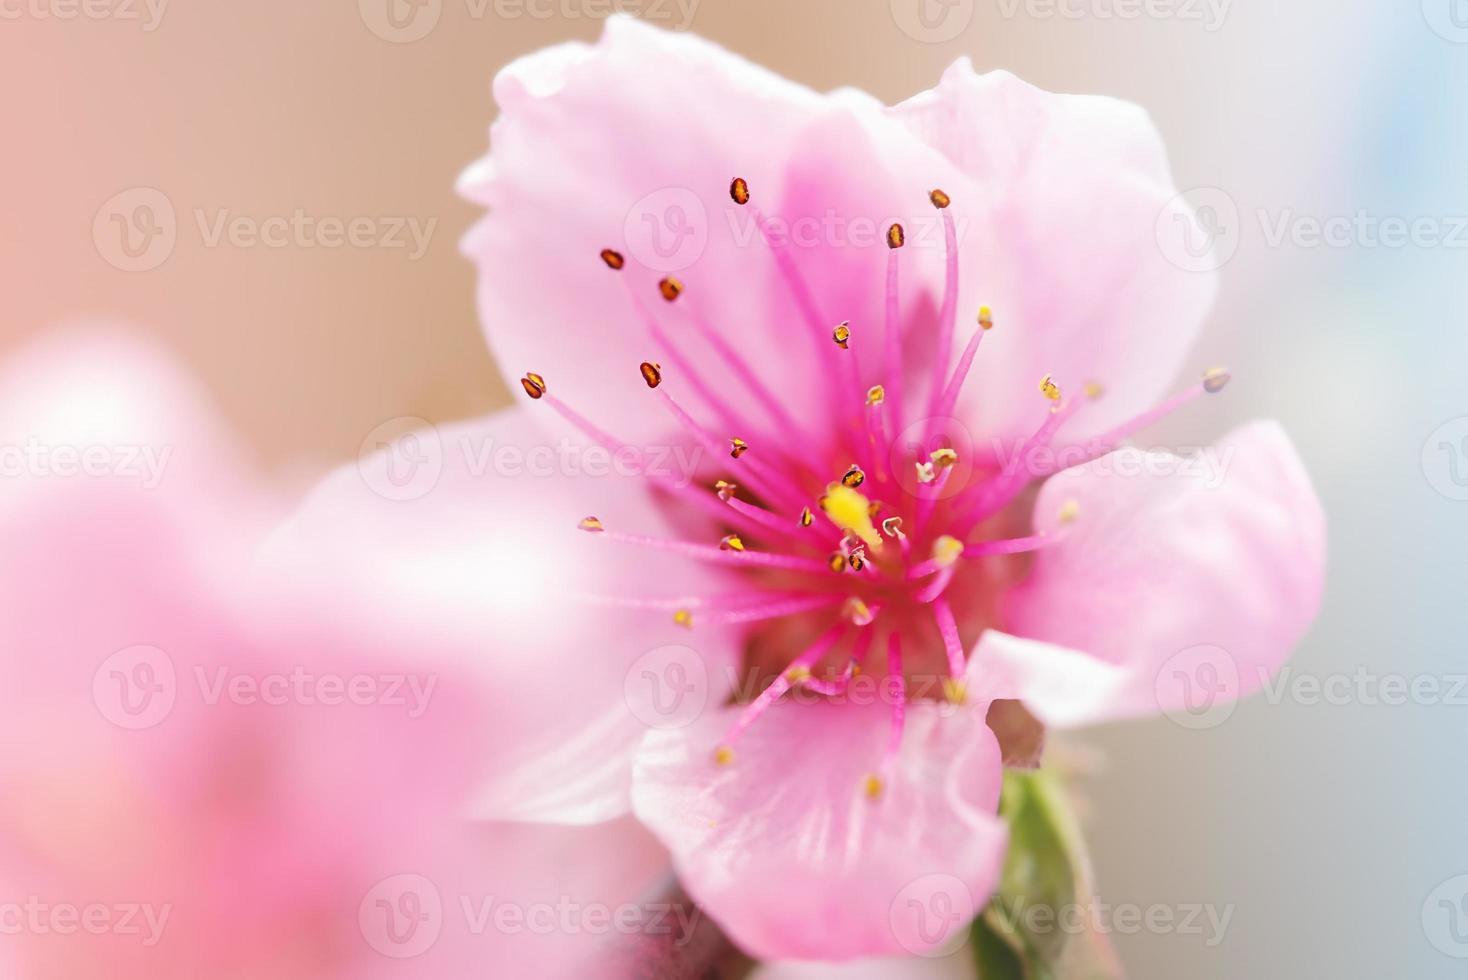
783	271
209	773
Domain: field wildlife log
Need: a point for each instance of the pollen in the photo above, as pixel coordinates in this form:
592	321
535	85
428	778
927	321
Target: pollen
857	611
723	755
533	384
731	542
1214	379
806	517
947	550
896	237
872	786
853	477
1069	511
842	334
725	489
940	200
986	318
591	524
651	373
613	259
683	618
670	288
876	394
851	512
1049	388
944	458
738	447
739	191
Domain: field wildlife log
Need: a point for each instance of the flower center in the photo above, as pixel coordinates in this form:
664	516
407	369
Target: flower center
891	530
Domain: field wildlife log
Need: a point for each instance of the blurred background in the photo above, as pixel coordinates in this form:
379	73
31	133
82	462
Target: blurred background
1324	139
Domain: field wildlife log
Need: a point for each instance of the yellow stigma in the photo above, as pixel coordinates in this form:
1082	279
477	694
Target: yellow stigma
723	755
842	334
876	394
683	618
1069	511
872	786
986	318
1049	389
849	510
732	542
857	611
955	690
946	550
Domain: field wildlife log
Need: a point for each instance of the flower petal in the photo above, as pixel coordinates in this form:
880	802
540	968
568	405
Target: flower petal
1062	242
786	851
1165	559
483	556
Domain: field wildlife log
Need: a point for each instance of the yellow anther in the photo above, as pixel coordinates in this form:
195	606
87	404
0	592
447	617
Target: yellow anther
857	560
1049	389
533	384
872	786
876	394
806	517
683	618
940	200
670	287
612	258
857	611
896	237
731	542
955	690
842	334
1094	389
1069	511
651	373
850	511
591	524
947	550
1214	379
739	191
797	674
853	477
738	447
943	458
837	561
986	318
725	489
723	755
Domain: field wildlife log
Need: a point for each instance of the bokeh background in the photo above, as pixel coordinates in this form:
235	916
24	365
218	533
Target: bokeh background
1331	829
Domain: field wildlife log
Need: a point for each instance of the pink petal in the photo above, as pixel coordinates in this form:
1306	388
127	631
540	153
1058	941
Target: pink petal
1164	569
1061	241
785	851
485	559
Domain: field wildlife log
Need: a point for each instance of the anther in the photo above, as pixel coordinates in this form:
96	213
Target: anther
1094	389
1069	511
723	755
872	786
797	674
738	447
892	527
947	550
943	458
857	611
1214	380
670	288
651	373
986	318
955	690
1049	389
533	384
591	524
857	560
806	517
940	200
926	472
739	191
876	394
842	334
896	237
853	477
725	489
837	561
683	618
613	259
731	542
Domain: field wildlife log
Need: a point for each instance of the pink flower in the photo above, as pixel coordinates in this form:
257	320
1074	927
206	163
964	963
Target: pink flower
874	582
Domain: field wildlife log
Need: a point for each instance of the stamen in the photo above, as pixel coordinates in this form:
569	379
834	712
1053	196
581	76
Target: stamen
670	287
876	394
948	313
893	339
939	199
731	542
773	610
838	685
875	783
683	618
853	477
892	527
948	629
837	562
896	237
738	447
720	554
857	611
943	458
1049	389
842	334
725	490
1214	380
739	191
533	384
806	517
613	259
777	688
651	373
986	318
591	524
